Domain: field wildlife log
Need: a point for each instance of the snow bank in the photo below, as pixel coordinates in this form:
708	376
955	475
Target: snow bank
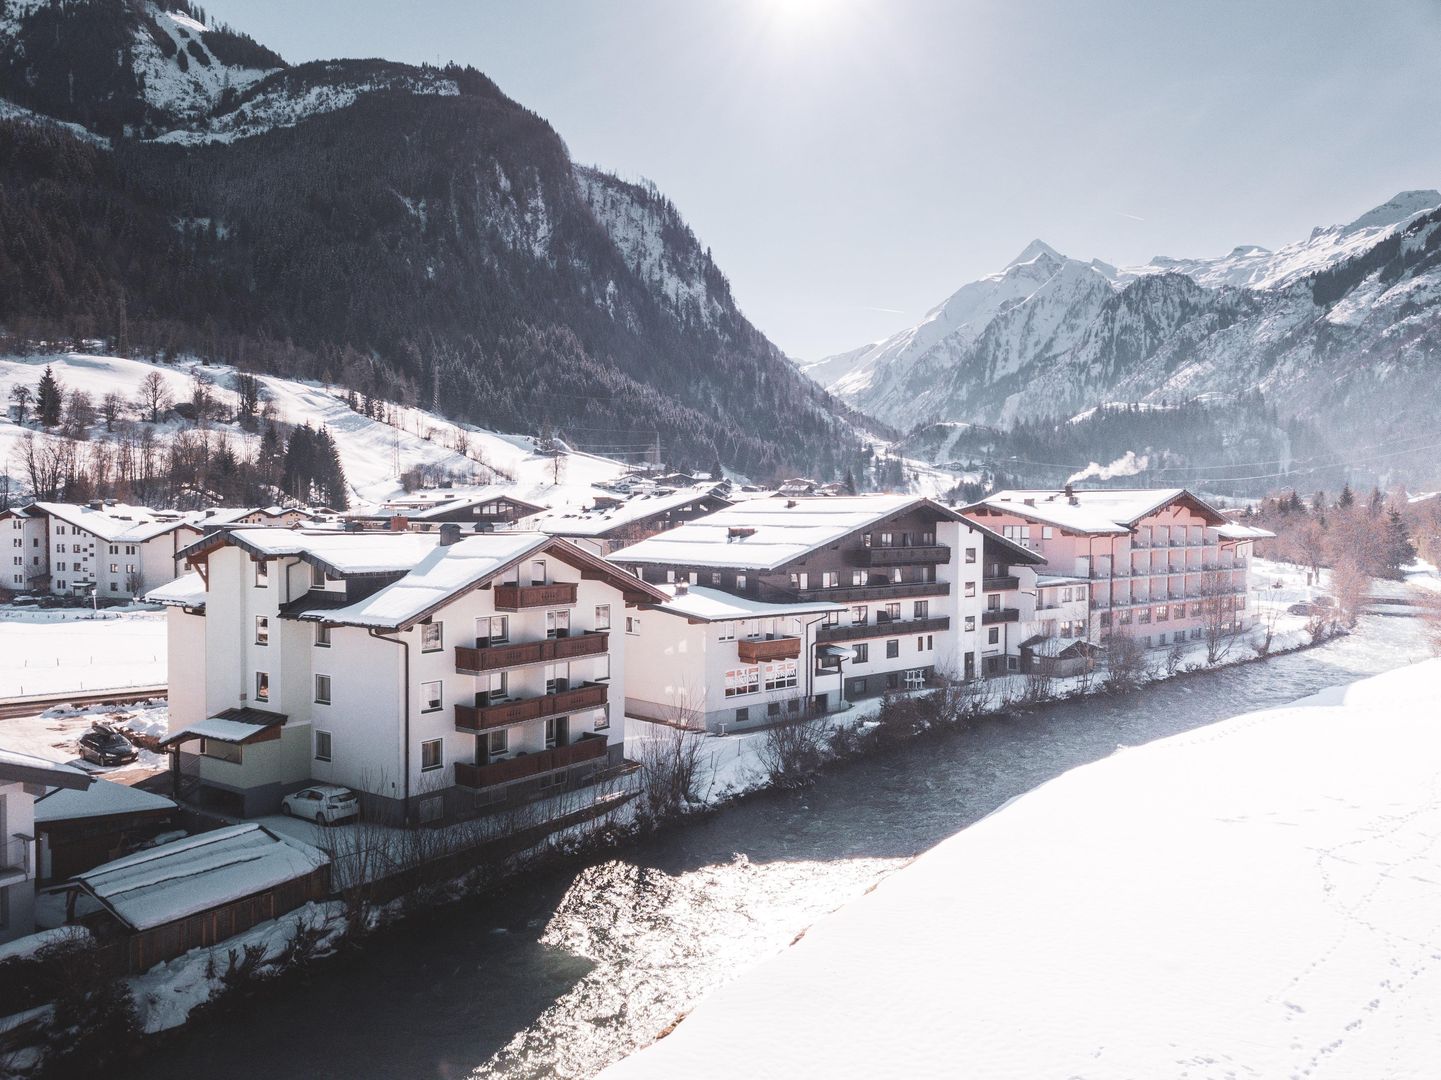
1255	898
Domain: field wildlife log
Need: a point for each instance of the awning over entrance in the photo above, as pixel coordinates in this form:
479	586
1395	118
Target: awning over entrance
239	726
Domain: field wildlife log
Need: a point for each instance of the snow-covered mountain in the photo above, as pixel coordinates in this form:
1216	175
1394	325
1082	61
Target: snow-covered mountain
1350	316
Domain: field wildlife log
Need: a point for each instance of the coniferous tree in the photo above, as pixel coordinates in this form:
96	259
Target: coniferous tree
49	399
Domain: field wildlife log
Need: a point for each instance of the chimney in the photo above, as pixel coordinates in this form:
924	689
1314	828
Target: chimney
682	587
97	504
399	523
790	504
1071	496
449	534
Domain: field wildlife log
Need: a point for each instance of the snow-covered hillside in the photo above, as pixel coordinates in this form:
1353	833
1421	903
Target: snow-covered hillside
374	454
1050	335
1257	898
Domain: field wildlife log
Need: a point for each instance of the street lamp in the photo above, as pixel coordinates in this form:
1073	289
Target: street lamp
94	603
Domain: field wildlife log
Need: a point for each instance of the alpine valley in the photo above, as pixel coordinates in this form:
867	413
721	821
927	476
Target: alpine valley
170	188
1339	332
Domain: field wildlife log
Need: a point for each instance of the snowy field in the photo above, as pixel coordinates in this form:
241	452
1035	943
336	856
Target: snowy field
54	734
58	652
1258	898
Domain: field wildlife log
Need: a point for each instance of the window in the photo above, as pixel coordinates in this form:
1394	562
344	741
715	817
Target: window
262	630
322	746
859	614
830	579
993	636
1047	532
741	582
858	577
632	624
322	636
800	580
715	578
602	718
781	675
497	742
495	687
317	577
970	622
1162	613
221	751
493	630
114	586
743	681
432	755
970	588
430	696
832	618
602	616
670	577
892	612
537	572
727	631
557	624
322	689
262	686
893	648
861	653
921	609
743	714
993	601
432	636
115	568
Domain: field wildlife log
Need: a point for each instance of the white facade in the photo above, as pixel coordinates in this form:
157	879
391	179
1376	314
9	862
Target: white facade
408	693
24	778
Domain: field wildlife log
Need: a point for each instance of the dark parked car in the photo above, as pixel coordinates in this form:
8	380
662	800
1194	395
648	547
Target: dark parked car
106	746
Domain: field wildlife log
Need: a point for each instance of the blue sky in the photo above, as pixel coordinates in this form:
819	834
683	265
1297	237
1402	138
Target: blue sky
853	162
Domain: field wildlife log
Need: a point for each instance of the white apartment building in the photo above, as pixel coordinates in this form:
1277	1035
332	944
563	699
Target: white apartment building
23	779
434	674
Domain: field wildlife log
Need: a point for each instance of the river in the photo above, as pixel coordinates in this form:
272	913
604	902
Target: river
571	970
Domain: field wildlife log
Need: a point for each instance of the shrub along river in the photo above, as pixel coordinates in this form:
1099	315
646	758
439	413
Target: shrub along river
572	969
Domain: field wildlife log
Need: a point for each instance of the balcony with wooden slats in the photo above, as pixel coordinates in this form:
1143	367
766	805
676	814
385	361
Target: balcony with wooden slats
487	658
1000	615
528	597
880	629
505	713
762	650
905	555
890	590
587	748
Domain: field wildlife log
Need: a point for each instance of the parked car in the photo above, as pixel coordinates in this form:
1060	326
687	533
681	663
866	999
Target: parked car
324	804
1303	608
105	746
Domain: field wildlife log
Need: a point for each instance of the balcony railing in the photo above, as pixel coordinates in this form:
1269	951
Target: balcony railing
586	748
1000	583
905	555
522	597
999	615
505	713
761	650
485	658
889	590
871	630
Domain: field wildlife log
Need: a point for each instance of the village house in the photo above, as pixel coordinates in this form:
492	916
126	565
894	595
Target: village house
614	522
709	658
436	674
907	571
1159	564
23	779
118	551
490	507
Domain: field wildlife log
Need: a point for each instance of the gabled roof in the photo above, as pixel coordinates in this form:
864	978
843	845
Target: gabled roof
1236	531
339	554
700	604
426	505
103	799
188	590
169	882
22	768
617	515
1093	511
448	571
239	726
117	523
764	534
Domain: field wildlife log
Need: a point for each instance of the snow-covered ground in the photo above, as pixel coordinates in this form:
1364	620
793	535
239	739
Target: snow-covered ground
374	454
1257	898
58	651
55	733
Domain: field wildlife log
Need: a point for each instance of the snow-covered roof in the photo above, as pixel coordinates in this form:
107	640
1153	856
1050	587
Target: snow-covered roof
426	505
188	590
1095	511
1056	646
16	765
116	523
713	605
442	573
601	520
338	553
230	726
767	533
102	799
1236	531
1048	580
155	887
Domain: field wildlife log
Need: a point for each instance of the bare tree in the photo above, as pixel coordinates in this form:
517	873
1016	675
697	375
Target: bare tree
1218	614
1352	587
21	396
79	414
112	406
1430	605
793	750
47	463
674	773
1125	660
1266	639
153	397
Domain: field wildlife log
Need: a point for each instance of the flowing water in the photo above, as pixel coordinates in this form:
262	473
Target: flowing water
570	971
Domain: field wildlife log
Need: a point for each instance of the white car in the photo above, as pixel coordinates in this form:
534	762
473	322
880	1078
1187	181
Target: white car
324	804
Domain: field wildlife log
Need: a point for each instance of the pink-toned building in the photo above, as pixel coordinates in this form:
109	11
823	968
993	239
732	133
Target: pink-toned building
1158	562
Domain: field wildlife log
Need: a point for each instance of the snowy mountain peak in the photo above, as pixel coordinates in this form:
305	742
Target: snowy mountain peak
1398	208
1034	250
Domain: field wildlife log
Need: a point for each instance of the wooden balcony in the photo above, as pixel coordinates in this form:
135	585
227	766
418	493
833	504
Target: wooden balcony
889	629
488	658
525	597
1000	583
506	713
905	555
889	590
587	748
761	650
1000	615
